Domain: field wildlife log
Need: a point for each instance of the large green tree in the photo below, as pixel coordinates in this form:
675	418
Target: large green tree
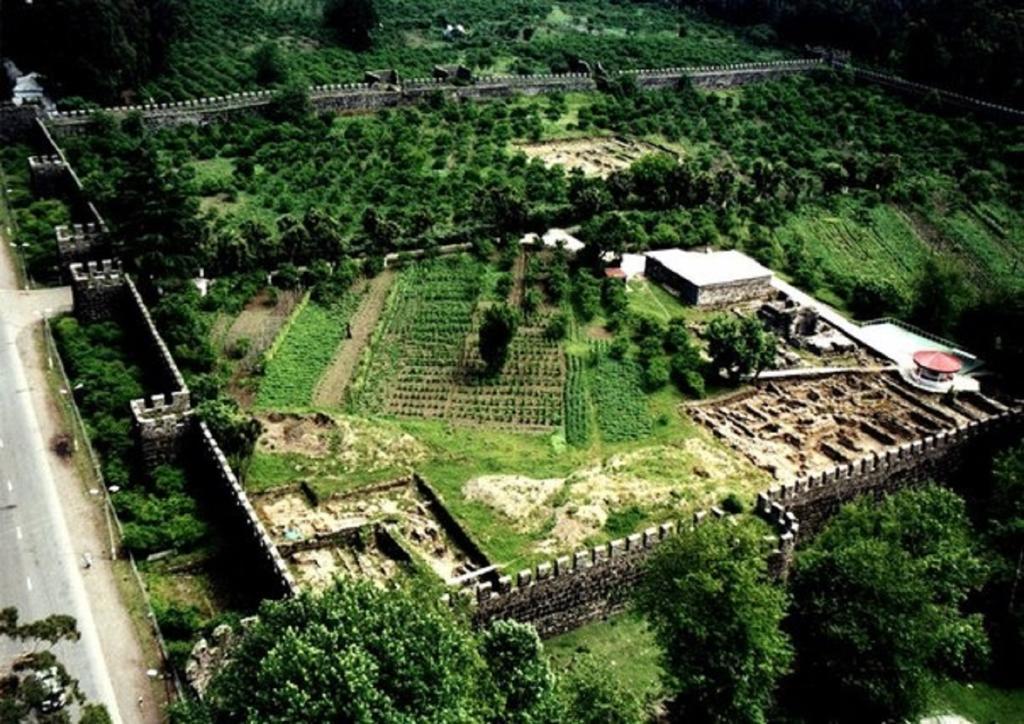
496	334
879	606
1006	536
352	653
739	345
716	613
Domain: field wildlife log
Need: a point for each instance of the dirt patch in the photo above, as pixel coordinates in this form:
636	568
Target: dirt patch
514	496
796	427
245	338
594	156
330	390
339	444
661	482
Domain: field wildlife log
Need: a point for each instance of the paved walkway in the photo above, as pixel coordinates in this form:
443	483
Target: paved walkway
892	341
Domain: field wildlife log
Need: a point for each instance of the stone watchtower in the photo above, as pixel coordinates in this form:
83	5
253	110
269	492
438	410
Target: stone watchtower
49	175
161	423
79	242
97	289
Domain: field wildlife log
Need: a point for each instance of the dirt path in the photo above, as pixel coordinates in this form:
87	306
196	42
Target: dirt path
518	290
330	390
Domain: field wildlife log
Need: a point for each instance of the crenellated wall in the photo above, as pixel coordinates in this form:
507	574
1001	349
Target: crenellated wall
815	498
97	289
343	97
996	111
563	594
217	477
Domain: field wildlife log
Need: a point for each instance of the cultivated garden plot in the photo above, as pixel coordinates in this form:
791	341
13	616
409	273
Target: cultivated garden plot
424	362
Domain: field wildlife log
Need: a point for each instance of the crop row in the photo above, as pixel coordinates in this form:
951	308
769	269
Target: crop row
622	412
577	404
304	353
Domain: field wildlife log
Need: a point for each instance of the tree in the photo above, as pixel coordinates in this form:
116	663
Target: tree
739	345
352	653
156	226
519	672
496	334
590	696
879	597
1006	537
715	612
268	64
351	21
940	295
22	693
586	294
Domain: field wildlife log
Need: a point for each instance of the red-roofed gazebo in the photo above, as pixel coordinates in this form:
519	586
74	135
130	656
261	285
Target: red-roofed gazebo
936	366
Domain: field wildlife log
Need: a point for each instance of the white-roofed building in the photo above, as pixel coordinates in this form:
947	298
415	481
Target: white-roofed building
709	278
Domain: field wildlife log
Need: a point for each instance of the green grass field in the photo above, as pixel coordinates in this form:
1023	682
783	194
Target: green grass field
622	644
979	702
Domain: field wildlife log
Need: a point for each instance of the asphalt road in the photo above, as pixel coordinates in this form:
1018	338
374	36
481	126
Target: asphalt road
40	568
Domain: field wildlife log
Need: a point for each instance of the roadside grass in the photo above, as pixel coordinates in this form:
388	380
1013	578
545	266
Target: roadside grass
622	644
980	702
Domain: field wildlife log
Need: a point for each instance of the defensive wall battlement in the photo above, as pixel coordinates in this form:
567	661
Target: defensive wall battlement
373	96
996	111
812	499
220	479
80	242
563	594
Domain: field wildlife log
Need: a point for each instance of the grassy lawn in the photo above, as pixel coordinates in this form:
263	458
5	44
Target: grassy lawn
650	298
622	644
981	703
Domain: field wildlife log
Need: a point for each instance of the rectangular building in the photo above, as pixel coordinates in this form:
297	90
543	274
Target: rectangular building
709	278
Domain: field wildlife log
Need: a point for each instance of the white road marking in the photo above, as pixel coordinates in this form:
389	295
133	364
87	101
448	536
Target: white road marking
17	529
10	487
28	581
1	443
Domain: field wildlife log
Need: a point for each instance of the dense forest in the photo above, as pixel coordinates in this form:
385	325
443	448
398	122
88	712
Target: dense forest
975	46
93	48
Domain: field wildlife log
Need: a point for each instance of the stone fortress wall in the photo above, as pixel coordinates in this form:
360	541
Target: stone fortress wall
556	596
340	97
812	499
164	423
570	591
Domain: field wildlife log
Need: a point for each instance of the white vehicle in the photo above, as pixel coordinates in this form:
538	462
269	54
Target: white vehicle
54	695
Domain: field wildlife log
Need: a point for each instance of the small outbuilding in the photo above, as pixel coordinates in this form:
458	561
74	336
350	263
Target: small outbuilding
709	278
936	366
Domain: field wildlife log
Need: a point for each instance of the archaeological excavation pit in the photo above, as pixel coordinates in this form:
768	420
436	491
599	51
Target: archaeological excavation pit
802	426
374	533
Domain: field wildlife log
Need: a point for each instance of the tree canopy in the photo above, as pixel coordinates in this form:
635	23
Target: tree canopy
740	345
880	606
496	334
716	614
